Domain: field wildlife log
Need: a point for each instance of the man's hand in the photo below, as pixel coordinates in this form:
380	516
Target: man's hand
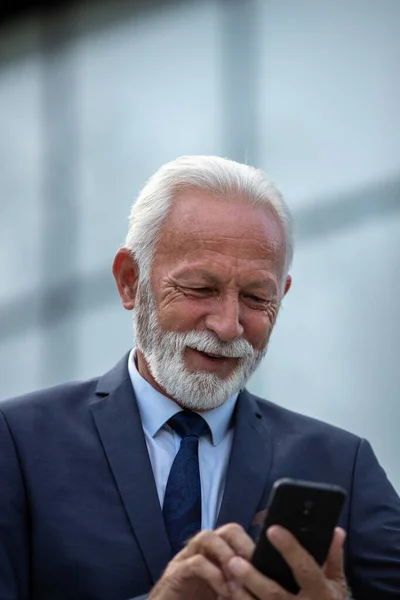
199	571
316	583
216	564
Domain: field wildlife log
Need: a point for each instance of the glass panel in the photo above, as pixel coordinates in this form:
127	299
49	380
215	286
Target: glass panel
329	95
21	159
21	364
149	90
103	337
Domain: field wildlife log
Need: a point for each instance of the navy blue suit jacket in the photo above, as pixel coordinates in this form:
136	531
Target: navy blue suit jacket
79	512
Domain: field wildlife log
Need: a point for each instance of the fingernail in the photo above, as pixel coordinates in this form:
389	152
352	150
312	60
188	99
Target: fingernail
275	533
342	532
237	565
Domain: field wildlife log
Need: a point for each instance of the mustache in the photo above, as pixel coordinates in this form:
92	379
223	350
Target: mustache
205	341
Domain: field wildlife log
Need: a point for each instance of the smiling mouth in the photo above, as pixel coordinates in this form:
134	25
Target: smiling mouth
215	357
210	363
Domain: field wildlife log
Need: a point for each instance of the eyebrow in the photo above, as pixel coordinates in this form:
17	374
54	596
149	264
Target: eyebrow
209	277
198	272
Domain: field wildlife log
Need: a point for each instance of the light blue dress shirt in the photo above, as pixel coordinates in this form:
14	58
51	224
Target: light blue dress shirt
163	443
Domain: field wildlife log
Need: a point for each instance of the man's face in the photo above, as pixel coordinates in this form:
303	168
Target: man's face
204	319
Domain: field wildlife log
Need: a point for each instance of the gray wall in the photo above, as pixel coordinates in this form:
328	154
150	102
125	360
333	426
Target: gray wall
93	100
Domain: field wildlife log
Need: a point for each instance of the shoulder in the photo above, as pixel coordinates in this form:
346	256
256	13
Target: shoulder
62	407
56	398
294	423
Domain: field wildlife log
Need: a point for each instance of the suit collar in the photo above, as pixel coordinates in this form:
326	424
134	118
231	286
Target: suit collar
113	379
117	420
249	465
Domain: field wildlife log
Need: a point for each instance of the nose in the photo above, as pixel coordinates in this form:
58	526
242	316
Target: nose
224	320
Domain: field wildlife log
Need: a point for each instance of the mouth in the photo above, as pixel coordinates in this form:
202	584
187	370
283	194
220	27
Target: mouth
212	356
207	361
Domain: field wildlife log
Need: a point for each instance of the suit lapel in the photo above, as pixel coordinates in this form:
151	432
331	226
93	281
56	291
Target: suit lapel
249	465
119	426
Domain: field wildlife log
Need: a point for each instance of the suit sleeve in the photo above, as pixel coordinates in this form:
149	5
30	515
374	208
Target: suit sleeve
374	533
14	546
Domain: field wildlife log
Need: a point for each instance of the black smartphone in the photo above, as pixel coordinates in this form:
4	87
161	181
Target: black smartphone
310	511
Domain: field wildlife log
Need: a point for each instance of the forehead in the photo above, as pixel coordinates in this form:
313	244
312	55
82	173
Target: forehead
201	226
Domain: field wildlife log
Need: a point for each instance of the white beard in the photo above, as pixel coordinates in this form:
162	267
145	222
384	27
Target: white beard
164	355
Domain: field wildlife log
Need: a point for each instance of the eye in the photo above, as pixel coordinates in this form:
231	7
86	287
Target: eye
200	291
258	303
257	299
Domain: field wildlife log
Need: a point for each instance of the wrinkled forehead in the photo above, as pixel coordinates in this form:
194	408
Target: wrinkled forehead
199	222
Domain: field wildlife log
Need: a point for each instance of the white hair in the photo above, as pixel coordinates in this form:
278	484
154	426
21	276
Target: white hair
213	174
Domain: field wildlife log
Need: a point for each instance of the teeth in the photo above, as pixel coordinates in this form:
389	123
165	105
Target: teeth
217	355
214	355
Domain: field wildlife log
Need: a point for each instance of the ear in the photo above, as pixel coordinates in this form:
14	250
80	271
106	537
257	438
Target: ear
288	285
126	275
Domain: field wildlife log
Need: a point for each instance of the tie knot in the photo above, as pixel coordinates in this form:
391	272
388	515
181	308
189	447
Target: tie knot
187	423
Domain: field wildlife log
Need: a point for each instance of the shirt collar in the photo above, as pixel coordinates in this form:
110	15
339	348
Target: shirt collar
155	408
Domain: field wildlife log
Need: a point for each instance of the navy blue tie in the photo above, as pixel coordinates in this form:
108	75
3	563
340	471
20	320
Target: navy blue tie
182	500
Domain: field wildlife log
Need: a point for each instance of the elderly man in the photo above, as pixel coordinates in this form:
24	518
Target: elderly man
103	482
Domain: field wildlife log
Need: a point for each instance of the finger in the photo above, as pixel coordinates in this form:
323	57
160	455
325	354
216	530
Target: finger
255	582
241	594
212	546
199	567
334	562
306	571
236	537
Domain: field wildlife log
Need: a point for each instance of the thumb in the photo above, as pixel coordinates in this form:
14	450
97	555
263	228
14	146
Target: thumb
334	563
